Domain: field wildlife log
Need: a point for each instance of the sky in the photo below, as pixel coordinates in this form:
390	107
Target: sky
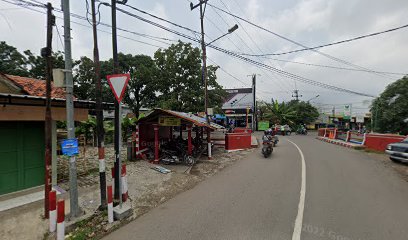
309	22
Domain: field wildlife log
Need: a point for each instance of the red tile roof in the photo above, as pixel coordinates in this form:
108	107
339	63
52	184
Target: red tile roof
35	87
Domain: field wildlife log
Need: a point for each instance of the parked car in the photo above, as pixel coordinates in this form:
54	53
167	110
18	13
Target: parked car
398	151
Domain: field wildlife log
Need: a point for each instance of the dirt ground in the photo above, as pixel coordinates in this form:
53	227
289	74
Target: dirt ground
147	189
400	168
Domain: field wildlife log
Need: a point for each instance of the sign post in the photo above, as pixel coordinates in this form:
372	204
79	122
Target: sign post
118	84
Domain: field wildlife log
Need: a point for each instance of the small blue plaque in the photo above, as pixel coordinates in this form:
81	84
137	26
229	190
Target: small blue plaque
70	147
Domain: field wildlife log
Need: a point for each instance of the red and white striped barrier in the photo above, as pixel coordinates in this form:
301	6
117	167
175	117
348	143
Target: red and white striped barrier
61	220
110	204
53	211
125	192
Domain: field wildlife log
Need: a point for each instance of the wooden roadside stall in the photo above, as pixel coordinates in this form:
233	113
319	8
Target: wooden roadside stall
162	126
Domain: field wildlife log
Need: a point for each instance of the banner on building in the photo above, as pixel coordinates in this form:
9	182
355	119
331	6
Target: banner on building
347	112
262	126
169	121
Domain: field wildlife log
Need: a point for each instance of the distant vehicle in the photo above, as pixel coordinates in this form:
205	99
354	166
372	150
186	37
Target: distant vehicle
398	151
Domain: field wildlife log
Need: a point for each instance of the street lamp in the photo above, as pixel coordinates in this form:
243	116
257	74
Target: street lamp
313	98
231	30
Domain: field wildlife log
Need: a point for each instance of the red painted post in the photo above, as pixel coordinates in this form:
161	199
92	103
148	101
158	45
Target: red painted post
61	220
335	133
156	143
125	193
190	145
110	204
53	211
113	177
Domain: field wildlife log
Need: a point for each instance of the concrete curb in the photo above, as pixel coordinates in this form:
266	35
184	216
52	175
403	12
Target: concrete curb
340	143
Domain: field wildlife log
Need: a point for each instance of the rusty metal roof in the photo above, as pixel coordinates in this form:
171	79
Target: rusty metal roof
189	117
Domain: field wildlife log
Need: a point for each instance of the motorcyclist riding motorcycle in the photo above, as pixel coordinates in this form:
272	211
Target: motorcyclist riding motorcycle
267	143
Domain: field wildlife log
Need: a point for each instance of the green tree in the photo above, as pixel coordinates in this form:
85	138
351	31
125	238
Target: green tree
36	64
179	79
390	110
142	86
306	113
280	113
12	61
84	80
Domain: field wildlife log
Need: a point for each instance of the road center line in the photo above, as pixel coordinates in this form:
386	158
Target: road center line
301	207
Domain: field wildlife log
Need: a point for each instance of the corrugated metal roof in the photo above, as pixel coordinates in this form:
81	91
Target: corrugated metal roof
196	120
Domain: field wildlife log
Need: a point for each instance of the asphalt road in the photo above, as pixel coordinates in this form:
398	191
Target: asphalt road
347	196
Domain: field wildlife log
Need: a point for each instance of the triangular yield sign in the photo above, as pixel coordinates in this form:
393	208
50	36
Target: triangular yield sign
118	84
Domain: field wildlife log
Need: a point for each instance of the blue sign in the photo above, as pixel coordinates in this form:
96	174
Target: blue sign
70	147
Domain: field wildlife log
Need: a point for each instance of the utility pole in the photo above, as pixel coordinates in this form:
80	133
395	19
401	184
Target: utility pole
99	111
204	69
117	126
254	111
69	88
296	94
46	53
117	164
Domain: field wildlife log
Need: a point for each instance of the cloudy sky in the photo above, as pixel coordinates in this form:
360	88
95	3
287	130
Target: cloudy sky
310	22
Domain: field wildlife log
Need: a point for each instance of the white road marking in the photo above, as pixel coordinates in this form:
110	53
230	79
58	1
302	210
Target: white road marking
301	207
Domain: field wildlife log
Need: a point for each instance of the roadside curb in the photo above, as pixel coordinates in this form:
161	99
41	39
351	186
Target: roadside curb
340	143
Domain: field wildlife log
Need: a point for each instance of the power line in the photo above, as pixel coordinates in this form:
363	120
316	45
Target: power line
87	26
331	44
294	42
261	65
250	49
222	69
334	67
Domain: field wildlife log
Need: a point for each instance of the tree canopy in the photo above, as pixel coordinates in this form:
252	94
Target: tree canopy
180	81
390	110
292	113
171	80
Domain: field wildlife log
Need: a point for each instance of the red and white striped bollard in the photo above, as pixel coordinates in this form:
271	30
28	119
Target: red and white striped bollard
110	204
53	211
61	220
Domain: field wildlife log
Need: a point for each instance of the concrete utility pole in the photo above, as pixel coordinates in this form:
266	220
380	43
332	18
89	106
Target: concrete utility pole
47	54
99	111
254	111
204	70
69	88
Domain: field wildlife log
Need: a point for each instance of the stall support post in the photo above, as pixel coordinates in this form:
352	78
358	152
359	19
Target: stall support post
209	143
190	145
181	131
156	143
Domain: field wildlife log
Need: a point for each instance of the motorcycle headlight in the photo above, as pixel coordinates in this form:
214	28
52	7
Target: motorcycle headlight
389	147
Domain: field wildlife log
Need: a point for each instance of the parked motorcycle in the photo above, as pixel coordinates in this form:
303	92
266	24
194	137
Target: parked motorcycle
175	152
